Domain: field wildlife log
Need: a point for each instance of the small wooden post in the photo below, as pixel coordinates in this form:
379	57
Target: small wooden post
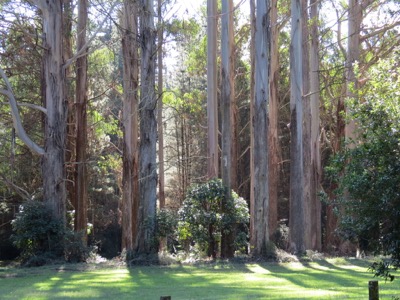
165	298
373	290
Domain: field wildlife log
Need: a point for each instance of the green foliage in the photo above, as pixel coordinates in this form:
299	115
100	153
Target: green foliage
167	223
202	218
36	230
42	238
74	249
368	175
281	236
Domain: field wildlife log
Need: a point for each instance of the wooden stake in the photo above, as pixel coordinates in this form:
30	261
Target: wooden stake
373	290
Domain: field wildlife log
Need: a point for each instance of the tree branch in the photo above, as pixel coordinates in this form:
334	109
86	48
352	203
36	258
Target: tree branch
84	48
19	129
20	191
30	105
379	31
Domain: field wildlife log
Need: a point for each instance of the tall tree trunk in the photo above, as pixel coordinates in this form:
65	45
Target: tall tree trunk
212	105
297	210
308	218
227	98
55	128
145	241
70	99
160	128
353	55
130	123
252	137
81	178
161	183
260	123
273	140
315	128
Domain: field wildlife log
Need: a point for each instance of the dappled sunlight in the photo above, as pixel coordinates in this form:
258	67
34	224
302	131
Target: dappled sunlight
258	269
311	280
81	285
317	266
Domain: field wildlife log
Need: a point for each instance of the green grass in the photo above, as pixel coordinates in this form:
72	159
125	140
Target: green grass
324	279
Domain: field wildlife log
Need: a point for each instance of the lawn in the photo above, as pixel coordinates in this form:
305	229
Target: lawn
323	279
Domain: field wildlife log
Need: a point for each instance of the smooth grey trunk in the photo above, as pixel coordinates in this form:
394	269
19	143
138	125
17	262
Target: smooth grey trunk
353	55
260	124
227	99
296	211
130	123
145	240
212	104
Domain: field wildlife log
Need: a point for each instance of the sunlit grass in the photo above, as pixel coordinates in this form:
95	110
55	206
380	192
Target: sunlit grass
325	279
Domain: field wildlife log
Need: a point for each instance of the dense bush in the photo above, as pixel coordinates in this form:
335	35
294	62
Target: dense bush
41	237
368	174
166	228
36	230
202	219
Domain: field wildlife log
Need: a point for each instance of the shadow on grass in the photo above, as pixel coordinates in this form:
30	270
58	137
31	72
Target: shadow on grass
313	280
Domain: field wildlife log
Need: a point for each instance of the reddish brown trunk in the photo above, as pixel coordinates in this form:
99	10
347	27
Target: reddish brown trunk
81	178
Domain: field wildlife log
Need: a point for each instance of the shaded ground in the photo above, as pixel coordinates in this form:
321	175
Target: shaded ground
321	279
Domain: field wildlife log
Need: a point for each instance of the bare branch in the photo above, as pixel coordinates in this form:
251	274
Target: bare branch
20	191
85	47
379	31
19	129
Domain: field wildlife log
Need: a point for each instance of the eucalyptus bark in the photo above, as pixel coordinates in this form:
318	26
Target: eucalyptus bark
227	99
130	123
148	133
160	128
55	126
316	238
161	182
260	131
297	209
273	138
353	55
81	177
212	105
70	98
252	138
306	126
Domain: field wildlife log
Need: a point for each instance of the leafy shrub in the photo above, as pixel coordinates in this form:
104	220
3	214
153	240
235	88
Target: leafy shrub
167	223
368	174
43	238
281	236
202	220
36	231
74	248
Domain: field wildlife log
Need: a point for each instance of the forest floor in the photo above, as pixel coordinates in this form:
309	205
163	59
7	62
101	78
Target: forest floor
328	278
